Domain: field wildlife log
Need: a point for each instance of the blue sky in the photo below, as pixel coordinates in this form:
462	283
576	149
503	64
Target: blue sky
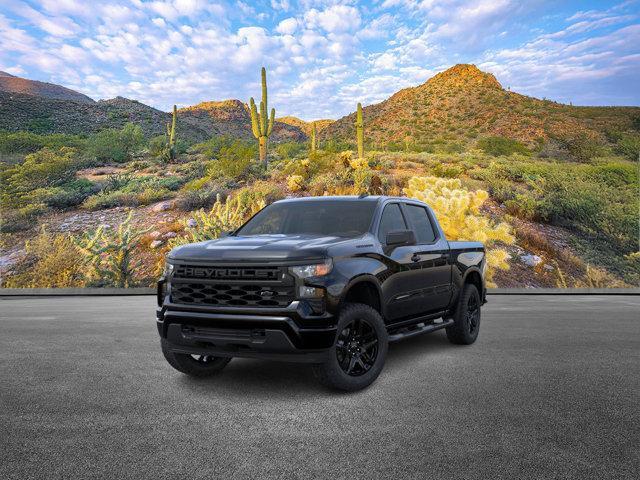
321	56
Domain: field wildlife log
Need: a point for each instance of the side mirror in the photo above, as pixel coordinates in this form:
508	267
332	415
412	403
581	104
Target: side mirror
397	238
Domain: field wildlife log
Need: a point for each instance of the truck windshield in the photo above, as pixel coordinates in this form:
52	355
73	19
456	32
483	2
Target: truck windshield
312	217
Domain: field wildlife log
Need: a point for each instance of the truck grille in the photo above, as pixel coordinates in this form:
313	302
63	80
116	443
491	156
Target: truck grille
232	295
232	286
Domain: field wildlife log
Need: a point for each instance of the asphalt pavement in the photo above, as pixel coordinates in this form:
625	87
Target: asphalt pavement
551	389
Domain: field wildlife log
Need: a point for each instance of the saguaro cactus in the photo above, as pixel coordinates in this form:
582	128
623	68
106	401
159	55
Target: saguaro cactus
260	124
171	136
314	140
360	132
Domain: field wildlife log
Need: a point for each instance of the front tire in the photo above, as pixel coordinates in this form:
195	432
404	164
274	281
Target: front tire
466	320
359	351
194	365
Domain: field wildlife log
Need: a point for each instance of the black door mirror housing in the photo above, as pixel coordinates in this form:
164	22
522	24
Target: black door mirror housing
397	238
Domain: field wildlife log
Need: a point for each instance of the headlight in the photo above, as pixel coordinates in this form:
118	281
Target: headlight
168	269
316	270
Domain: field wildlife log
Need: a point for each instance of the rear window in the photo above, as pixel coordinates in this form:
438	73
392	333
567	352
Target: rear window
346	218
419	218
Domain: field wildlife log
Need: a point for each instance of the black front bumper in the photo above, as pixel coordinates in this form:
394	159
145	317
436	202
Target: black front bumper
292	333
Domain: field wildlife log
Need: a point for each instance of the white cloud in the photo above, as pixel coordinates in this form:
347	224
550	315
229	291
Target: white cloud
56	26
287	26
335	19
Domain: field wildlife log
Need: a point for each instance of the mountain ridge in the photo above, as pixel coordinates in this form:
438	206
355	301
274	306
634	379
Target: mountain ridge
463	103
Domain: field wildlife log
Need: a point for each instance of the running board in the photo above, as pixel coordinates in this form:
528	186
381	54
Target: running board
431	327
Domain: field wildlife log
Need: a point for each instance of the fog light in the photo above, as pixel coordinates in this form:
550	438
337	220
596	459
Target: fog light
311	292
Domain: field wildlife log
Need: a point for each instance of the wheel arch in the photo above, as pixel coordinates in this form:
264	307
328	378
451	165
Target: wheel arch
474	277
364	289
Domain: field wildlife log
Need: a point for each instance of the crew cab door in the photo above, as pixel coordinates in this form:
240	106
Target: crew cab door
398	285
430	260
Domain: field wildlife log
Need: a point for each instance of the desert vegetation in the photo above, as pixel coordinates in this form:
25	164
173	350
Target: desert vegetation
103	208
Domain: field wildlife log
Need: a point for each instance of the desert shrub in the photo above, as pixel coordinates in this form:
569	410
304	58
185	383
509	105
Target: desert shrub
458	211
447	170
233	160
498	146
108	254
258	193
222	217
289	150
336	146
211	148
157	145
523	206
317	163
23	218
27	142
599	200
629	146
189	200
125	198
116	145
52	261
582	146
43	169
68	195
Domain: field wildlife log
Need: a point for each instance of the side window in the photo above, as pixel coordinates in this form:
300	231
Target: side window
419	218
391	220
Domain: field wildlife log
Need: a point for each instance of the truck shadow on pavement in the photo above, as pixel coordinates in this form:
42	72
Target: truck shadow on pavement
281	380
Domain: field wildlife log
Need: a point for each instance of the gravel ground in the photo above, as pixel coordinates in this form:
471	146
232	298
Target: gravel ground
549	390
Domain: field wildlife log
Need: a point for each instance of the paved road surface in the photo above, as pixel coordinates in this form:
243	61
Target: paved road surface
551	389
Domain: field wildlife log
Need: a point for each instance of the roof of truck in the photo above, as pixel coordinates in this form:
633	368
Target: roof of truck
348	198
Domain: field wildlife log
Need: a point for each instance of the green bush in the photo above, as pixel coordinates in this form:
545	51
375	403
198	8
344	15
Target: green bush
28	142
16	220
629	146
498	146
157	145
211	148
233	160
68	195
600	201
581	146
289	150
116	145
44	169
447	170
122	198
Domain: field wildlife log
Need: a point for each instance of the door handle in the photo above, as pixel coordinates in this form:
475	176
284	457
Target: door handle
415	257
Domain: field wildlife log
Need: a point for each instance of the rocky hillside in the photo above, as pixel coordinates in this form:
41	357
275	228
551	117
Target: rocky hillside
46	108
11	84
20	111
232	117
305	126
463	103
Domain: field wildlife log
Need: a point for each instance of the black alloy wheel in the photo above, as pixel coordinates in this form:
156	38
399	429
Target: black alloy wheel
472	316
357	348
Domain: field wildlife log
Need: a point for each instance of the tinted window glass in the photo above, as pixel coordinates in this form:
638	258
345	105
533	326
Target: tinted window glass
391	220
346	218
420	220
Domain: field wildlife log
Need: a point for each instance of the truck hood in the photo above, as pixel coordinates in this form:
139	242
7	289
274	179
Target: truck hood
261	248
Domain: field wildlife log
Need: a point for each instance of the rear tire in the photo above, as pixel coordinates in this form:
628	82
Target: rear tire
194	365
466	320
359	351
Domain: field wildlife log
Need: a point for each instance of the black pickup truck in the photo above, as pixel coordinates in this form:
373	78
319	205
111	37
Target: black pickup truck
324	280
